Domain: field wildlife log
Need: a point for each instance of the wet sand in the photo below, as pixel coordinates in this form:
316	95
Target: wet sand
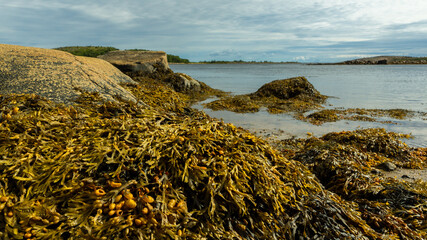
407	174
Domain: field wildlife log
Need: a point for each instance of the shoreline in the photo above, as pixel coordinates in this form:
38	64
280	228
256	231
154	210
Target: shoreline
314	64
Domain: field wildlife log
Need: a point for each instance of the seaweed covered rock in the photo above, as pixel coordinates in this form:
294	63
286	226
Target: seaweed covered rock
153	65
57	75
179	82
183	83
345	163
287	95
125	171
292	88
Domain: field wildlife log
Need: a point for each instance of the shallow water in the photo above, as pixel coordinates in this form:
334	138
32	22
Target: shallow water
352	86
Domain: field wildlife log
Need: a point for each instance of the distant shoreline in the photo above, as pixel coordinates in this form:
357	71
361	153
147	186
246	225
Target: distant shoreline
207	63
197	63
378	60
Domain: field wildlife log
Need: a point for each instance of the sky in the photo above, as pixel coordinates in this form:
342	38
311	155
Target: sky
250	30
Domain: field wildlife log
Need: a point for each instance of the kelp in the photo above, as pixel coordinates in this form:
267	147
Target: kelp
346	164
118	170
239	104
162	80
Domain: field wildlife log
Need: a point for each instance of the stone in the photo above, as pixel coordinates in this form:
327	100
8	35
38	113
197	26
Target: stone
59	76
147	62
387	166
291	88
183	83
154	65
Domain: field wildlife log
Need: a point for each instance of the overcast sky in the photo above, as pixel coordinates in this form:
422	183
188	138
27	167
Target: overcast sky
275	30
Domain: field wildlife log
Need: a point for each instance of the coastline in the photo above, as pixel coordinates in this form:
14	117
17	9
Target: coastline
196	63
156	167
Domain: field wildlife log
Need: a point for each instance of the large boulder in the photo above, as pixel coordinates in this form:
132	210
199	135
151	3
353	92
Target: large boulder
147	62
57	75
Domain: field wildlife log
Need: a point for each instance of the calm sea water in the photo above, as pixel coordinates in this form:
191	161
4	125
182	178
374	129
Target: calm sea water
352	86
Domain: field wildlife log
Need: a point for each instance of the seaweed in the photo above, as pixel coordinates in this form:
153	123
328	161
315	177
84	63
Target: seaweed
359	114
118	170
346	164
298	96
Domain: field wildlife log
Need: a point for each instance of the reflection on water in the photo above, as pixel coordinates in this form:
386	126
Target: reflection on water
385	87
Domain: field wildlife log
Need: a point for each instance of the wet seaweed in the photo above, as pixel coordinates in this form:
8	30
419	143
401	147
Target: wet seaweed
105	170
346	164
359	114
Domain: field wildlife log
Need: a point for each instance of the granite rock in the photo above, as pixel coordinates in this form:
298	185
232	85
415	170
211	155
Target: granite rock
57	75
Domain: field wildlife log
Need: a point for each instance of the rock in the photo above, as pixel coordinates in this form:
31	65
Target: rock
387	166
291	88
57	75
183	83
279	96
147	62
141	65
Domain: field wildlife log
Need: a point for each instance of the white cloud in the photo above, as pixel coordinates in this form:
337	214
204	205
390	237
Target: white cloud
300	58
294	28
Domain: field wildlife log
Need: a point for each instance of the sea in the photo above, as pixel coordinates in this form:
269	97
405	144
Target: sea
349	86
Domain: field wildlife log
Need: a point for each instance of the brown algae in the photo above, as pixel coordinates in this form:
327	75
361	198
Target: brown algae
346	163
161	170
359	114
102	170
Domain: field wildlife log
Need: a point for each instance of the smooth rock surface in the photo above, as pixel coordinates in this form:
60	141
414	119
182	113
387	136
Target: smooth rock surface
57	75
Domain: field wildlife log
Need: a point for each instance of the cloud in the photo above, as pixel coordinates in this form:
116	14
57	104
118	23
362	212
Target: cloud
201	29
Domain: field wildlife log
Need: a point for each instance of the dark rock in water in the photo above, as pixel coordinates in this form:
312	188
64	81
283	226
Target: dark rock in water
291	88
57	75
387	166
147	62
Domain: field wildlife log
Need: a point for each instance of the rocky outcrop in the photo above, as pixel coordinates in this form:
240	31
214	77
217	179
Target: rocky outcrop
141	65
280	96
147	62
386	60
57	75
291	88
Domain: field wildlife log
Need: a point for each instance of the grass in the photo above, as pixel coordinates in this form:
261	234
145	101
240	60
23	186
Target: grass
87	51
